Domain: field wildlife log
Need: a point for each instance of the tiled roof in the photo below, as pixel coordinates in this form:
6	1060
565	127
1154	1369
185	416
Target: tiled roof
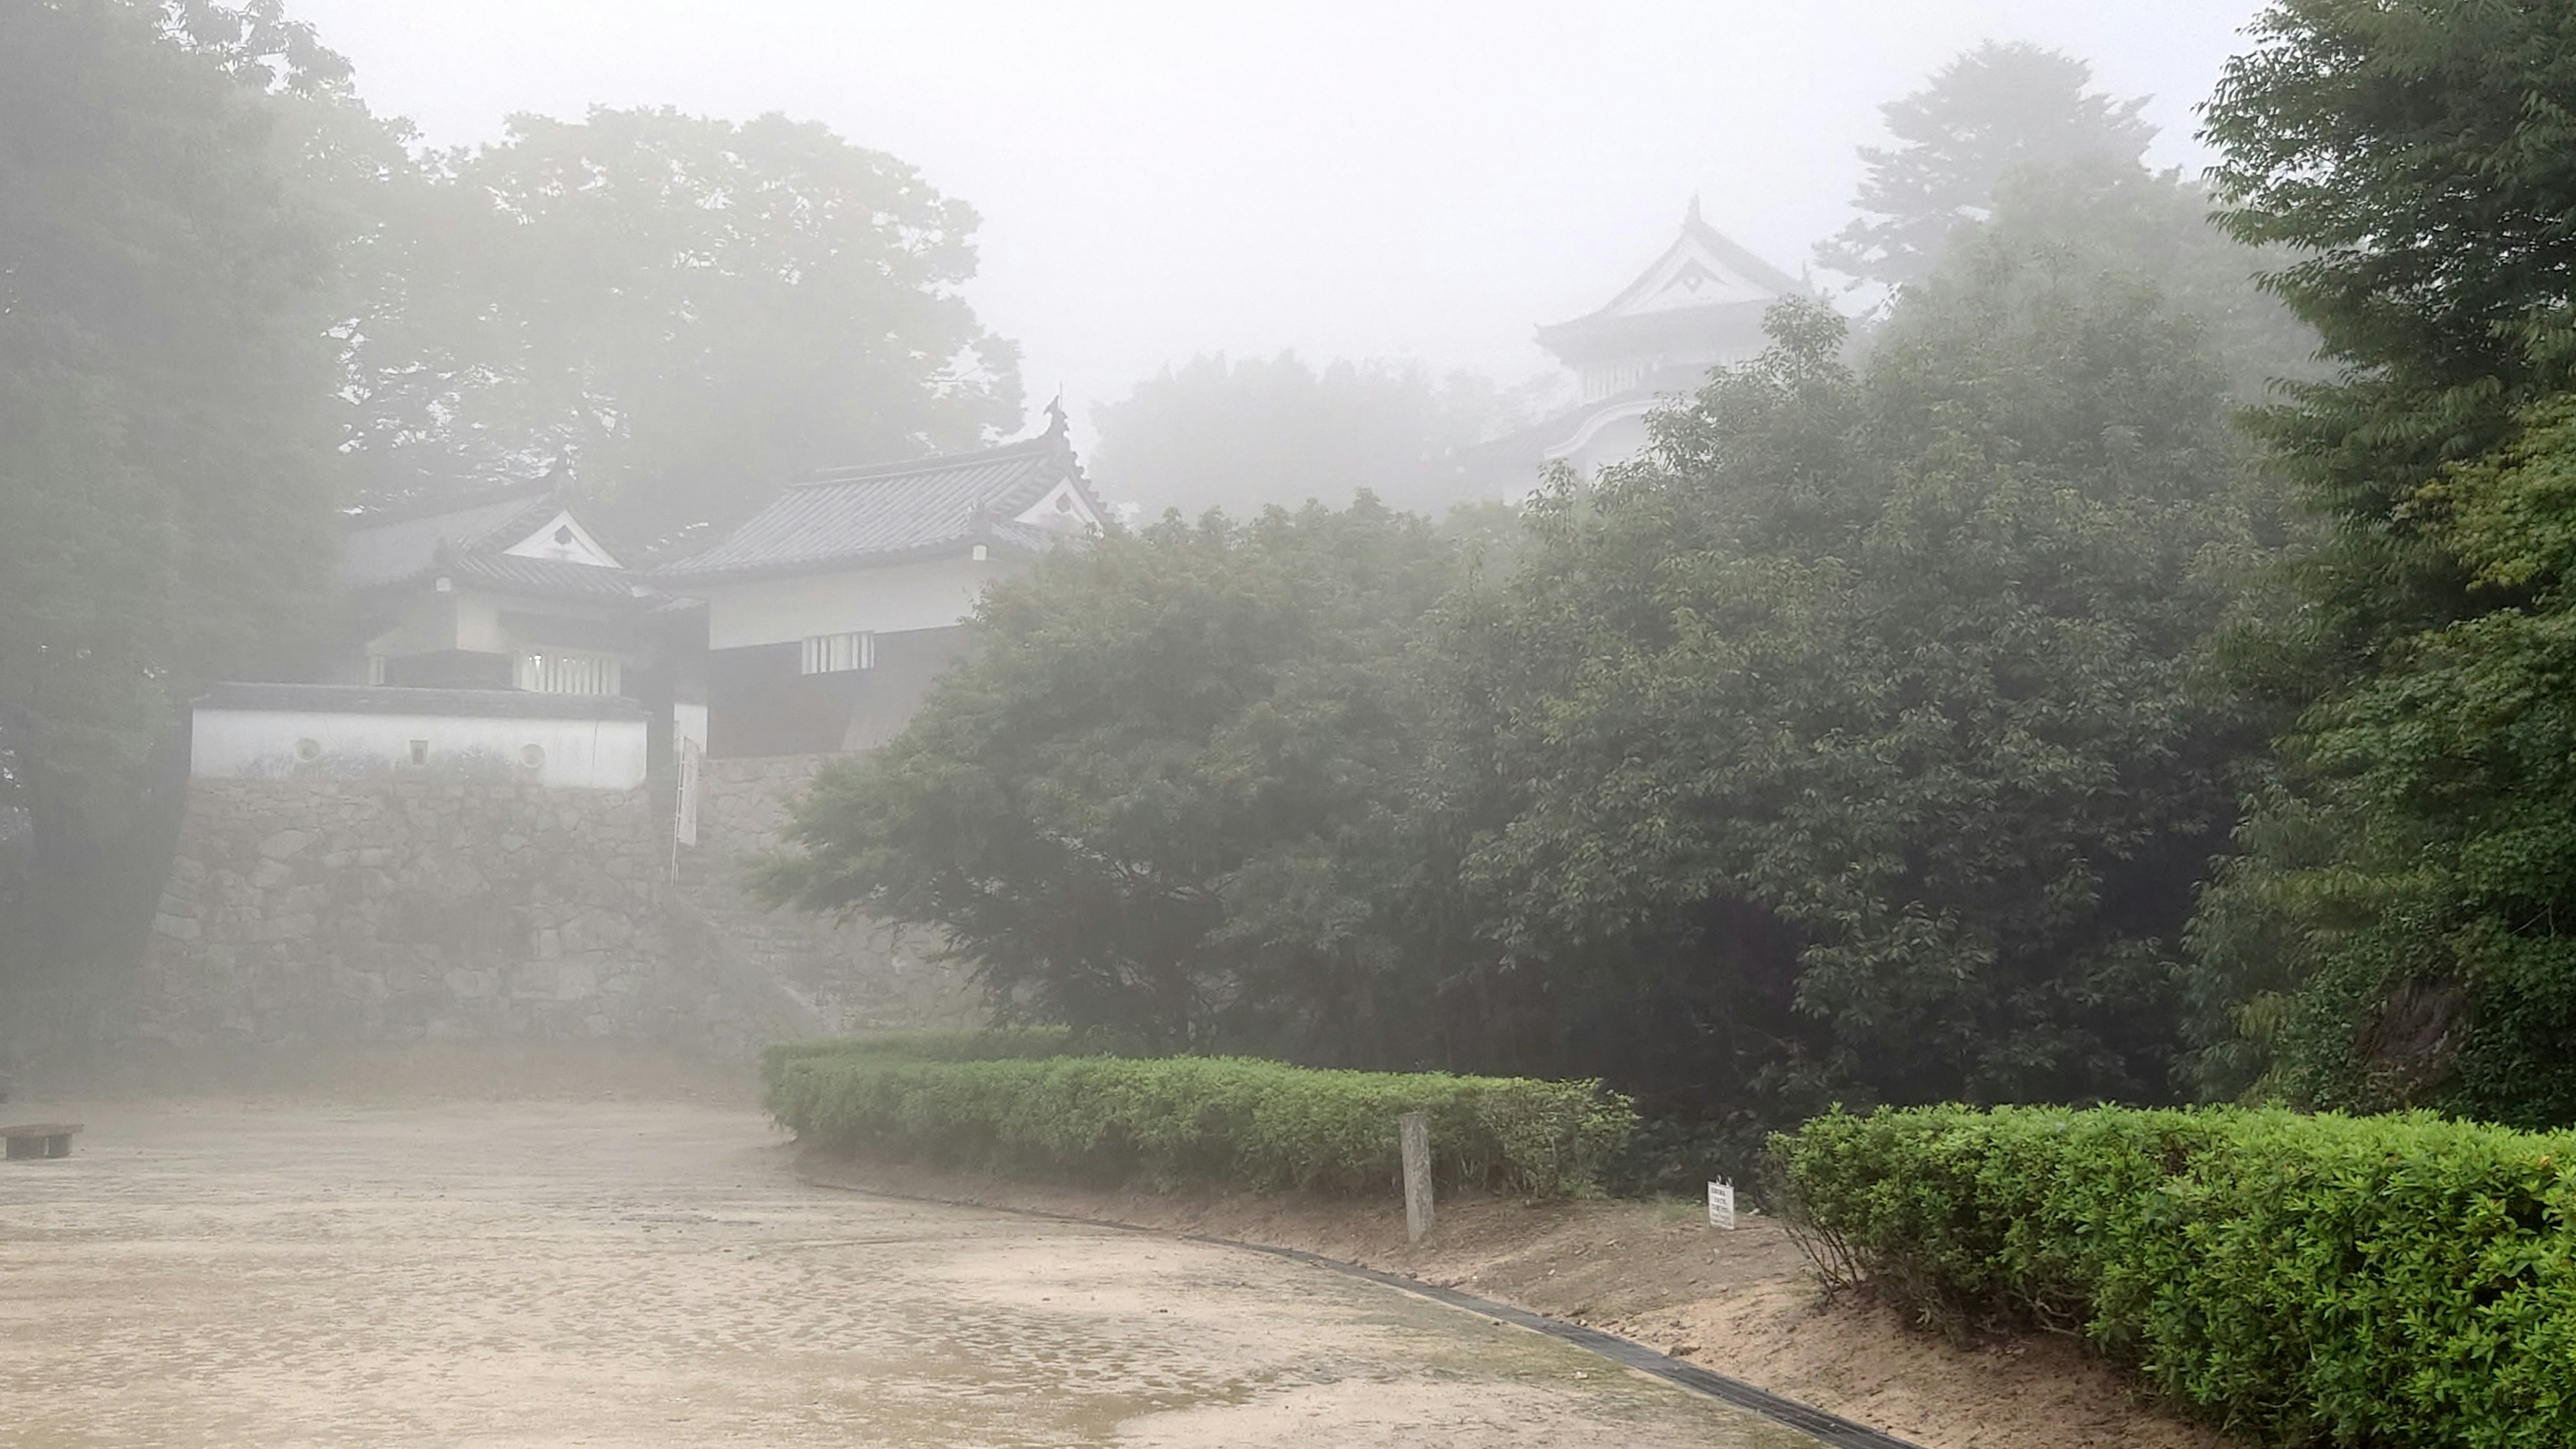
844	515
394	699
1619	321
465	541
387	549
553	577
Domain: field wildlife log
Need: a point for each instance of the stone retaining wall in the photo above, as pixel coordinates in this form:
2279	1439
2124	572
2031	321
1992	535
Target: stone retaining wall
743	803
311	911
859	975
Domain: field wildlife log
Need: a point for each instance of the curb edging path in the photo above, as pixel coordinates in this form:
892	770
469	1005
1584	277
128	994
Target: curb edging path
1830	1429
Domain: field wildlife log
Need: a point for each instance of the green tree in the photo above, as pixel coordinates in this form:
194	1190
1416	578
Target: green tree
1166	798
164	379
1851	730
1251	433
2001	108
2374	942
685	310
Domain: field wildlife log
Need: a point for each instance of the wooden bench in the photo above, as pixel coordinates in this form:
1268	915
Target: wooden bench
40	1139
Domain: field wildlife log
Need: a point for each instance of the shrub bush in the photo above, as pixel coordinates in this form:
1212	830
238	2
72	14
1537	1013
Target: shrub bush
990	1102
2297	1279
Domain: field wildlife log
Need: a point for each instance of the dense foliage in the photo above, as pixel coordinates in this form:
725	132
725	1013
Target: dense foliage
1248	433
2296	1279
164	429
234	301
2390	933
1206	1121
1848	739
2001	110
1848	743
683	310
1167	796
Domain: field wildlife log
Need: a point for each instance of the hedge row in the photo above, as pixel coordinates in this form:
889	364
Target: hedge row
2297	1279
1210	1121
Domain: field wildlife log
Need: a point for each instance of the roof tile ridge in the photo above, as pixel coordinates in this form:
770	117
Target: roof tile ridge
936	463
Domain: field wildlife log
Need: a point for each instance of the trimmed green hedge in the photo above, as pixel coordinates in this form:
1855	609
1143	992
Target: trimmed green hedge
986	1102
2297	1279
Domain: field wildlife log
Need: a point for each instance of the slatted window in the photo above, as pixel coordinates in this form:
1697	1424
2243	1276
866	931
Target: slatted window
555	672
834	653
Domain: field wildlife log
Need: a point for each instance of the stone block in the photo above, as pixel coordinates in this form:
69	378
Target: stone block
575	980
285	844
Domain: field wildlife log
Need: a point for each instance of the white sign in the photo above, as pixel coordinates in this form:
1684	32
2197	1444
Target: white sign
1721	1204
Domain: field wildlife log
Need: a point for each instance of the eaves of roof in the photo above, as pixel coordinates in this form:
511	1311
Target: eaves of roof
551	578
1001	533
400	700
1615	333
891	513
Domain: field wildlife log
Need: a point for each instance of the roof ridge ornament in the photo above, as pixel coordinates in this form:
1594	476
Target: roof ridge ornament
1056	422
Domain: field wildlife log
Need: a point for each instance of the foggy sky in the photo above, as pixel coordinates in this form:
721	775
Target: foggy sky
1363	178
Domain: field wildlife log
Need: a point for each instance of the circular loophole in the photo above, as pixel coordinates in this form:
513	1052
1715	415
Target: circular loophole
308	750
532	755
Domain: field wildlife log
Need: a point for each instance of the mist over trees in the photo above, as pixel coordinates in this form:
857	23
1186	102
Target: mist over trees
2003	110
2136	662
1885	732
1853	743
234	301
165	385
682	312
1243	434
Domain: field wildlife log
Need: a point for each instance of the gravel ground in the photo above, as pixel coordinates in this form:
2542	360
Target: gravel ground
620	1273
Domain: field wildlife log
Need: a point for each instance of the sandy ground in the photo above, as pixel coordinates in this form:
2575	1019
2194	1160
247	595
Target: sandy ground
1742	1302
623	1272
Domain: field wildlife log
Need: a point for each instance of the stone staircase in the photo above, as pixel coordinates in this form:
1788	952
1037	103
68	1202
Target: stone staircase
839	977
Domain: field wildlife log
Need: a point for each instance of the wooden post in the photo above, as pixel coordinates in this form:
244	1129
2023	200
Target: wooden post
1416	1133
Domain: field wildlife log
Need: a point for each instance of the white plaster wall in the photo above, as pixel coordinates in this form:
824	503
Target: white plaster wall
478	624
926	594
231	744
428	626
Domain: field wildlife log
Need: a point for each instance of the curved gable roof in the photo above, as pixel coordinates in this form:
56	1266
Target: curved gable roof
389	548
1703	278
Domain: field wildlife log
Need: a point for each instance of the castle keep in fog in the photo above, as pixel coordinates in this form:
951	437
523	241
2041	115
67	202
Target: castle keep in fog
1697	306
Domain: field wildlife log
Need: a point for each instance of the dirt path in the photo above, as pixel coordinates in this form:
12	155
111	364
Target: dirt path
652	1274
1741	1303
